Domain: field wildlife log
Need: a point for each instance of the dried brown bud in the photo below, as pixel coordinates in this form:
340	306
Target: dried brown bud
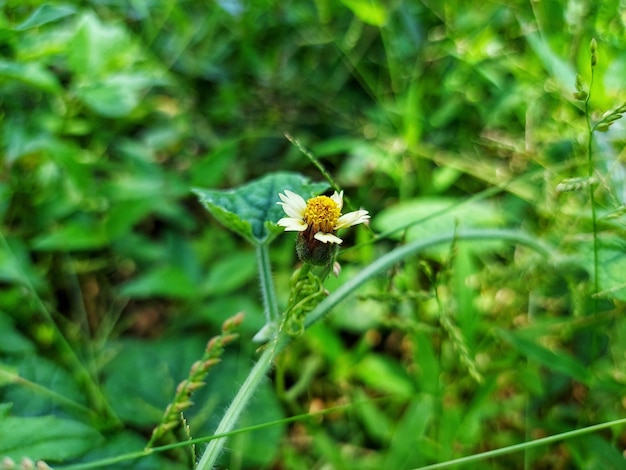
233	322
193	386
183	387
196	367
230	338
210	363
214	343
182	406
27	464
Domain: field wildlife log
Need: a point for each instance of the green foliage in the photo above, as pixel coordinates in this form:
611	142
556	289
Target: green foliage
46	437
490	132
251	210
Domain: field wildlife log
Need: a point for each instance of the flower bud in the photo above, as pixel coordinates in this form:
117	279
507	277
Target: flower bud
593	48
315	252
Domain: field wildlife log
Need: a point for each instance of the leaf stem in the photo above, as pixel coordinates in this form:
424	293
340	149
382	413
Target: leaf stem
270	303
228	422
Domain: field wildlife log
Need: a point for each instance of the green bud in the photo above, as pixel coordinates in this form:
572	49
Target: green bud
603	126
593	48
580	95
579	82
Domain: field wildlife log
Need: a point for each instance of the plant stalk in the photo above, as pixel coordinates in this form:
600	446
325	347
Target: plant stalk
270	304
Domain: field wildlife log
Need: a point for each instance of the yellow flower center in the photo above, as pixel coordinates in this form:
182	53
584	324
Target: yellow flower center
321	214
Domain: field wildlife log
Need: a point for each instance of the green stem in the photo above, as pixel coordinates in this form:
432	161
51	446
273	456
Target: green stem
267	283
525	445
260	369
228	422
590	171
399	254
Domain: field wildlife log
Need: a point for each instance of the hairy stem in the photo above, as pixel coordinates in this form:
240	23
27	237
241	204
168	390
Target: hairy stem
228	422
267	283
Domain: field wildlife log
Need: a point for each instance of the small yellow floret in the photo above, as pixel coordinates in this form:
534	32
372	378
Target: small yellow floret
321	214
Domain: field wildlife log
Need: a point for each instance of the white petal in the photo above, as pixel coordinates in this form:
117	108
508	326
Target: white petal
327	238
338	198
292	225
352	218
292	203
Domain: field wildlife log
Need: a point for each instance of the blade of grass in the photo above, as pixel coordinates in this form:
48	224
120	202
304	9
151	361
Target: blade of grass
525	445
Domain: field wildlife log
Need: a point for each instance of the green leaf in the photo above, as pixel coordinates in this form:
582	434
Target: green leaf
369	11
30	73
141	376
16	265
11	340
251	210
117	95
98	49
560	361
560	69
75	235
230	273
611	265
46	14
45	437
56	390
424	217
166	281
384	374
410	430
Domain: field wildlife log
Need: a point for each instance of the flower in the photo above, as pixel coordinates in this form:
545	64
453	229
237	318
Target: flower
318	218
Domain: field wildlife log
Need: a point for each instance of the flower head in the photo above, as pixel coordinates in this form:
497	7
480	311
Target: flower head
317	220
320	217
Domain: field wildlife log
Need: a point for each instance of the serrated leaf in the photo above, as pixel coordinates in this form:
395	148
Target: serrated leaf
46	14
45	437
251	210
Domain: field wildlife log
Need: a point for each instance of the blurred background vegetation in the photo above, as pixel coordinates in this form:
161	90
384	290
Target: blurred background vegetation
455	113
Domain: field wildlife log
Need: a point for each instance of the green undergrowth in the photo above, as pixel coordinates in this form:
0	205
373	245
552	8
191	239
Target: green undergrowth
476	320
